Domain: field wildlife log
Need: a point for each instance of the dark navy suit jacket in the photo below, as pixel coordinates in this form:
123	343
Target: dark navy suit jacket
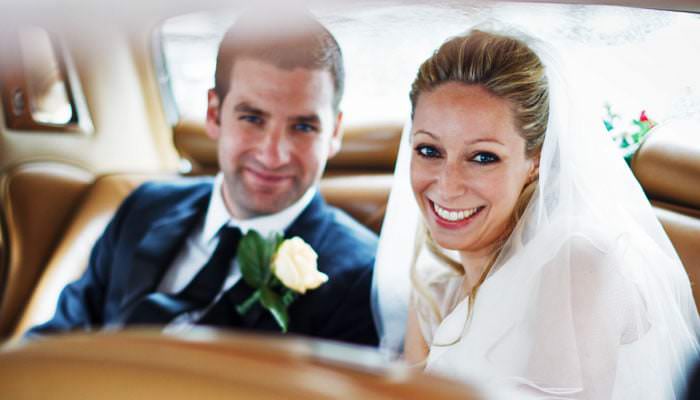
140	243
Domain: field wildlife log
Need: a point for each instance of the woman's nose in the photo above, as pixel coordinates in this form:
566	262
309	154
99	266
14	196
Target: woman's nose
452	180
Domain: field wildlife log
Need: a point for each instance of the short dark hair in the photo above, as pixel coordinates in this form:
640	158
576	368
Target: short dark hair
291	43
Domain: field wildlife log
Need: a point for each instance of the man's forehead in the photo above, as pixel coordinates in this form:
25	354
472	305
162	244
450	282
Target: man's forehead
263	78
269	63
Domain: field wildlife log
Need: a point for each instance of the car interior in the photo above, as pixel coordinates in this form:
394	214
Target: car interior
63	175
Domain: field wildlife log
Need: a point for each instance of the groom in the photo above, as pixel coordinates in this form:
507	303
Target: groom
274	114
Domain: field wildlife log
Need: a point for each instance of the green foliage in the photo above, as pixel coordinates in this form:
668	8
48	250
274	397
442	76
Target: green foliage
273	302
254	257
628	140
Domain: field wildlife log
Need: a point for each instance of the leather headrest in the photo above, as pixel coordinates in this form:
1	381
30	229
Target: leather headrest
667	164
368	148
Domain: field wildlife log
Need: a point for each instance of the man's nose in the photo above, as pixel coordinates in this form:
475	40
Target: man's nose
274	149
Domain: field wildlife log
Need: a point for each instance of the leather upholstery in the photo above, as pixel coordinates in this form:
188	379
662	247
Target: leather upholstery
684	232
363	197
37	201
52	213
149	365
668	163
365	149
69	258
667	166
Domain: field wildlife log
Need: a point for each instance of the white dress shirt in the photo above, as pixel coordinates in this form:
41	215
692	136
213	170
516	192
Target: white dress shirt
202	241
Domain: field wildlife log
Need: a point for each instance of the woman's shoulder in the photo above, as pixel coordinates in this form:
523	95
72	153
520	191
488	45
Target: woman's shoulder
589	244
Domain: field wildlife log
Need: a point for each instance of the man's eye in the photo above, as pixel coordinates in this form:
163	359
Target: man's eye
253	119
305	128
426	151
485	158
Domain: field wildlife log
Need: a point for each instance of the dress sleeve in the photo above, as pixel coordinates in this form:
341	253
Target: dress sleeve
433	293
585	311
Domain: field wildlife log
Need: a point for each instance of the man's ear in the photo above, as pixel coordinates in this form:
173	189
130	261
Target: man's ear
337	138
213	122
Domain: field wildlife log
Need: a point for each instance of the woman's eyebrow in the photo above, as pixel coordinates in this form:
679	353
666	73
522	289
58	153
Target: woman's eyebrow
421	131
487	140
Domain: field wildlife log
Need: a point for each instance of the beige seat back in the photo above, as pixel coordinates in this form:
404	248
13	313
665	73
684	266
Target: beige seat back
55	265
668	167
69	258
37	200
209	364
54	213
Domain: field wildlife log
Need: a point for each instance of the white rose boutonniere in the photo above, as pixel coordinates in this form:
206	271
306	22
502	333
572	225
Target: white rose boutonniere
294	265
279	270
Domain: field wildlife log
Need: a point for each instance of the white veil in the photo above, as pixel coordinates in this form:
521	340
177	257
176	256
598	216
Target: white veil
587	299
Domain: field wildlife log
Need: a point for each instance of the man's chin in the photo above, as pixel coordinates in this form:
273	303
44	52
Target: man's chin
258	205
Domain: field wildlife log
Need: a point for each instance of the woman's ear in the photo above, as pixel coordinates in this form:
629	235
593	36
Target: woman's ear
534	169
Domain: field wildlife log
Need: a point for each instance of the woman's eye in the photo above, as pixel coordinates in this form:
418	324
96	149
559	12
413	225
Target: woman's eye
427	151
485	158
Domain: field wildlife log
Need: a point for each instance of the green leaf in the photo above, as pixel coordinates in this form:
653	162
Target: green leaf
250	301
608	125
253	258
288	297
276	239
273	242
274	304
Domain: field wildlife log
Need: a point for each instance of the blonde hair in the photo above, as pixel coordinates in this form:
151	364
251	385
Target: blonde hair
509	69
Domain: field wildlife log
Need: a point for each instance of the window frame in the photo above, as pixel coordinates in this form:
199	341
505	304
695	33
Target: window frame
13	83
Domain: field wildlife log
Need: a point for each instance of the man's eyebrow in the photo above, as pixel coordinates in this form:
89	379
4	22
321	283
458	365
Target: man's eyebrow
248	109
309	119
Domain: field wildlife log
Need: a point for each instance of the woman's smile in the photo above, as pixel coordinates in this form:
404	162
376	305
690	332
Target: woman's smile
469	165
452	218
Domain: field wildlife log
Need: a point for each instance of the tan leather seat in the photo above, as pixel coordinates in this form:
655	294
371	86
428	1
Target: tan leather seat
209	364
55	212
34	288
668	167
37	201
363	197
68	259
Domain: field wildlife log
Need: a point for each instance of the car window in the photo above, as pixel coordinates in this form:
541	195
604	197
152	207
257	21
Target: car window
624	60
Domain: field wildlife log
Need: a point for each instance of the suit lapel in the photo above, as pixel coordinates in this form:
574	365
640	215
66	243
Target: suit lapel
156	251
309	225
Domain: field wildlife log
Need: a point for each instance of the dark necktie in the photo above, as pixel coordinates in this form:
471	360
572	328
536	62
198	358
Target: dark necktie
161	308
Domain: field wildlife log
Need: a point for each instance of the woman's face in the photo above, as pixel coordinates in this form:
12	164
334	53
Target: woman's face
468	166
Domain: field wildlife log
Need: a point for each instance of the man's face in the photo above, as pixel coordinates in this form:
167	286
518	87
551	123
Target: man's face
275	130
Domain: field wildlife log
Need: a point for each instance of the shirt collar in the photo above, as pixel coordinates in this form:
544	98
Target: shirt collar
218	215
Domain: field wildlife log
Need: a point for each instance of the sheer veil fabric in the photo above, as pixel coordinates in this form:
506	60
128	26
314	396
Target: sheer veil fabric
587	300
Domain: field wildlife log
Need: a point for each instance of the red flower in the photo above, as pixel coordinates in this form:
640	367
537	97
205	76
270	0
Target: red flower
643	117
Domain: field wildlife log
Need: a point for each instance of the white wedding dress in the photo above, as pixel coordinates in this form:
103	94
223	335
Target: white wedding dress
587	299
585	326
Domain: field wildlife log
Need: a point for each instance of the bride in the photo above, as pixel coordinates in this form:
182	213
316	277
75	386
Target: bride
542	267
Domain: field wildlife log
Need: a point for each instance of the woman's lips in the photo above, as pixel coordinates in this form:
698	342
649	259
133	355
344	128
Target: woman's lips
454	218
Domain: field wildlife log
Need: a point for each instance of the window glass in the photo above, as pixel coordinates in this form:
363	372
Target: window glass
624	60
48	97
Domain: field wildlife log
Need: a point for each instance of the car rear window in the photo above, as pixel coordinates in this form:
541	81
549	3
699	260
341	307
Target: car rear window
624	60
